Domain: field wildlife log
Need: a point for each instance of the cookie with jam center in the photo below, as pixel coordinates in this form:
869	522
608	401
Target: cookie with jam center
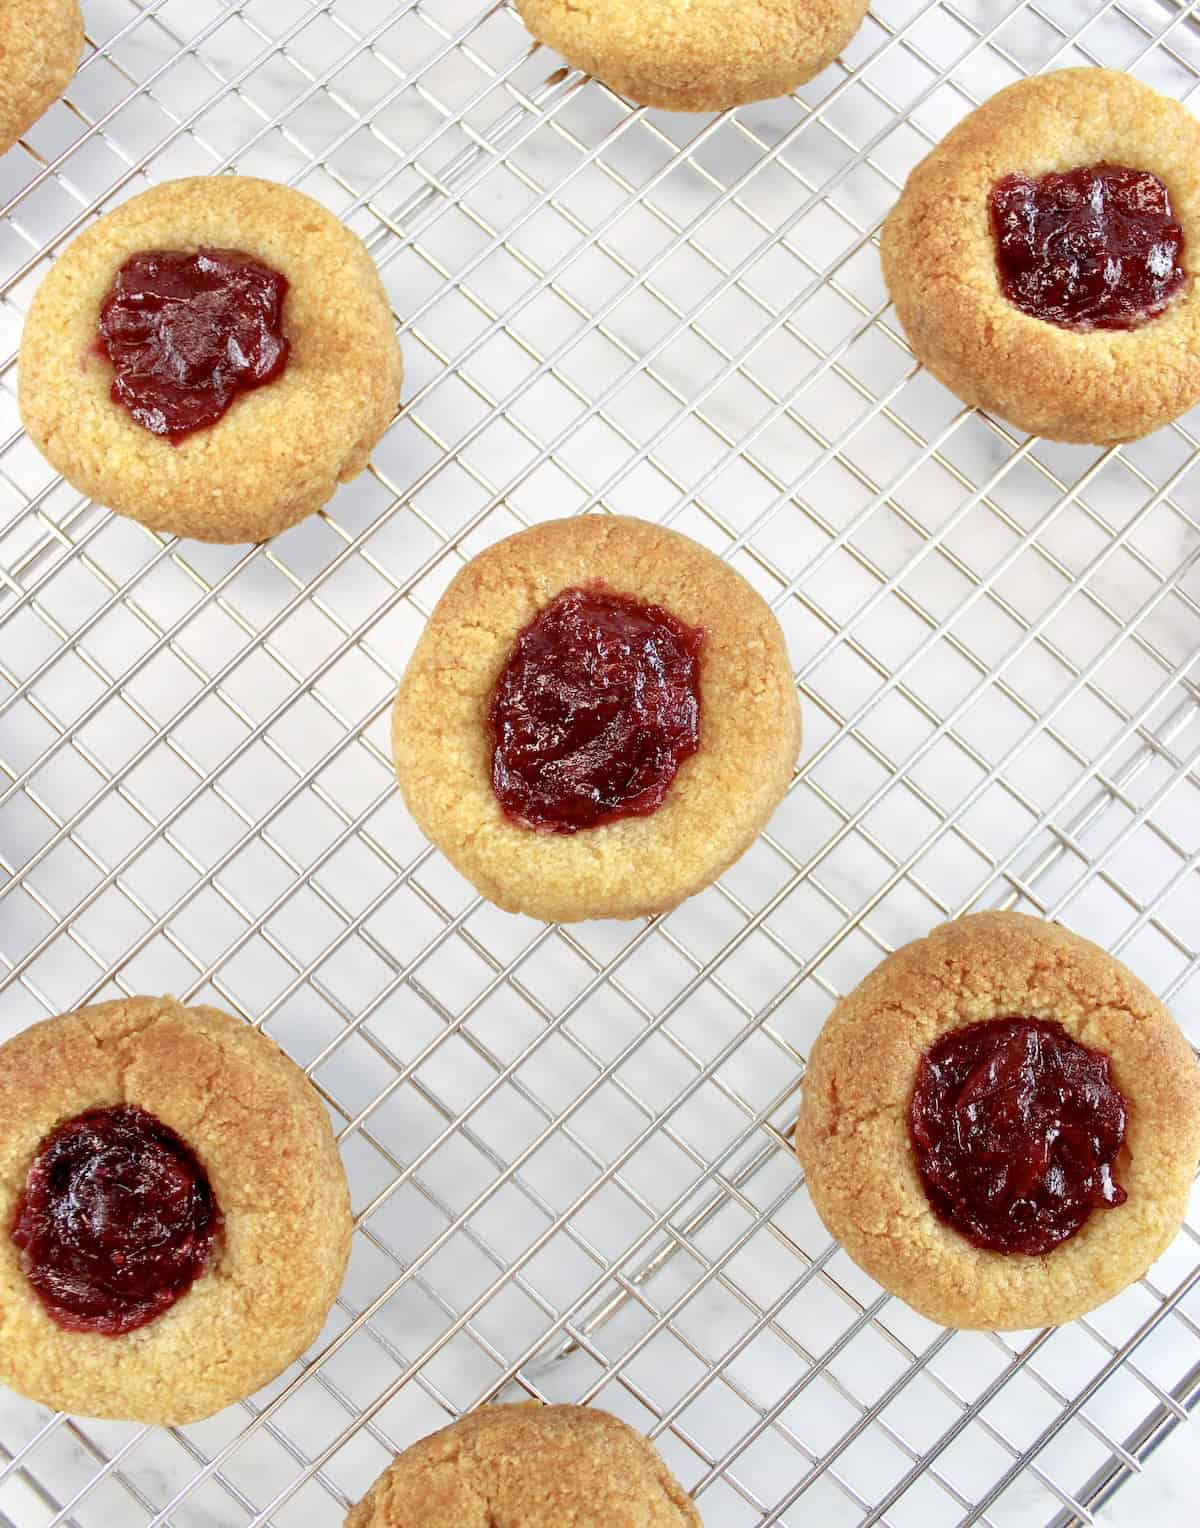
599	718
1042	259
1001	1124
212	358
703	56
539	1466
175	1216
40	44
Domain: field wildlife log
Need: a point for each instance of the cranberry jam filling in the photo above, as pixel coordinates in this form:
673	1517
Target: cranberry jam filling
595	711
115	1222
188	333
1016	1128
1096	248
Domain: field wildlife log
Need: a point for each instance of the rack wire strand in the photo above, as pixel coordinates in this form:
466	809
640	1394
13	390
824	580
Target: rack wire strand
569	1148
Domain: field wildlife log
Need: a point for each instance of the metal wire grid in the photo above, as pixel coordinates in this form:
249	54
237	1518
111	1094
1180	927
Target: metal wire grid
569	1147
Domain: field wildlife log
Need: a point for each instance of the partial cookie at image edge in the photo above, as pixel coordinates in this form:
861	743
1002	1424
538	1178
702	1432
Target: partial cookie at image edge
707	56
40	46
939	262
536	1465
852	1136
262	1135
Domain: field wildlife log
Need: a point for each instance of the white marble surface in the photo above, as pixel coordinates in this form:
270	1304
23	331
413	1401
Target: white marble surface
866	539
1166	1493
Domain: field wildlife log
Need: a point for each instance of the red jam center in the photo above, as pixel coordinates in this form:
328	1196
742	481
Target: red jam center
115	1222
1096	248
596	709
1016	1128
187	333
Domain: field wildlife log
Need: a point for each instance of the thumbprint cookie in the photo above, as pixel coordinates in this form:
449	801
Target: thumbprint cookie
212	358
40	44
598	720
174	1216
1042	258
532	1466
1001	1124
703	56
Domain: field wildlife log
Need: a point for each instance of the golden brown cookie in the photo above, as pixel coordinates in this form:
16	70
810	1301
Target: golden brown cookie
853	1135
939	261
259	1132
40	44
529	1466
721	797
280	451
696	55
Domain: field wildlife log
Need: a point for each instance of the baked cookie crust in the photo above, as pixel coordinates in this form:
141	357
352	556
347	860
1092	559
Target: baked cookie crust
281	450
539	1466
40	44
696	55
261	1133
939	262
853	1133
717	804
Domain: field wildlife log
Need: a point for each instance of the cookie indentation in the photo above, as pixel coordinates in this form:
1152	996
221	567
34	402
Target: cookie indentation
1095	248
595	711
188	332
1016	1127
116	1220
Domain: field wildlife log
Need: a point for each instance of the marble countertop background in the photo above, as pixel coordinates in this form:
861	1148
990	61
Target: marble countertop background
996	645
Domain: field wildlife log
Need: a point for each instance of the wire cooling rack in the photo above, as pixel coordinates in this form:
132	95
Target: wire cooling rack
569	1148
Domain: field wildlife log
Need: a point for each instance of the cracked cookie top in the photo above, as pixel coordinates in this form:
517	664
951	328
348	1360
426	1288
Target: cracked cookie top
148	1084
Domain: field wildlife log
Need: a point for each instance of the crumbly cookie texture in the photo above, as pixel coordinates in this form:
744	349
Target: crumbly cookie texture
696	55
939	261
40	44
717	804
536	1466
263	1137
281	450
853	1132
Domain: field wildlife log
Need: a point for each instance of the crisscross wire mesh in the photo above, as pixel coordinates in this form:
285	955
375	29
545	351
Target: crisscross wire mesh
569	1147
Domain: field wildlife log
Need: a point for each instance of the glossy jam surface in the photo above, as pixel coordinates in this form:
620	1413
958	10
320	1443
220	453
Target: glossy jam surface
1016	1128
115	1222
188	333
595	711
1096	248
